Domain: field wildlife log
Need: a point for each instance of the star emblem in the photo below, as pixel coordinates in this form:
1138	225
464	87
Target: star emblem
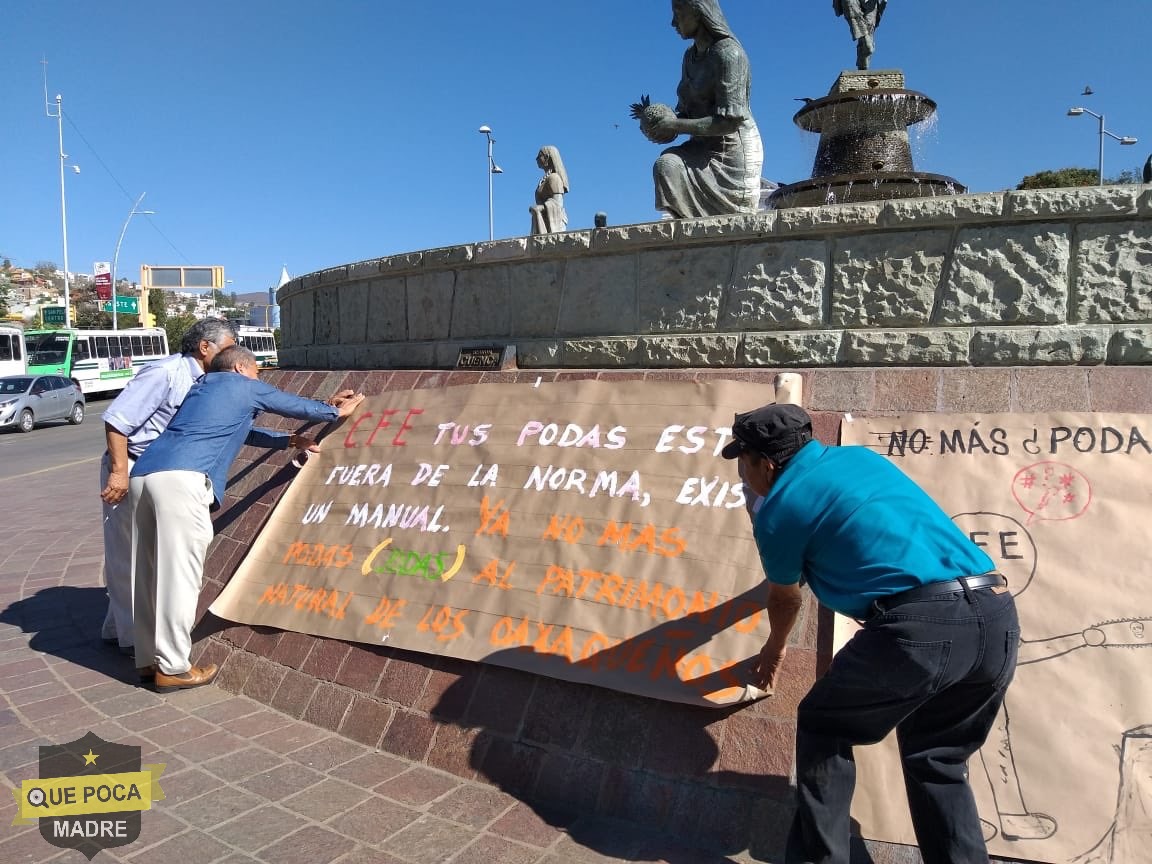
90	757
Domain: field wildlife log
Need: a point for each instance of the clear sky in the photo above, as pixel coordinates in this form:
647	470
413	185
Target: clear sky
270	132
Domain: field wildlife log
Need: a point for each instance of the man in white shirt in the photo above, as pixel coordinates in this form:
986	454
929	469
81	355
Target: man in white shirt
132	421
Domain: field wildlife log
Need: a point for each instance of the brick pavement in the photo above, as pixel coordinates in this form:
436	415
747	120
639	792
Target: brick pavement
244	783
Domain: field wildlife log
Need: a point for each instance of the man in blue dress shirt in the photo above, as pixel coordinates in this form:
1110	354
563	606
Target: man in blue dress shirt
938	645
132	421
175	484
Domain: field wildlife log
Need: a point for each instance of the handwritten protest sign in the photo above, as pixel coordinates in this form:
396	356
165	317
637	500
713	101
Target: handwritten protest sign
1061	503
587	530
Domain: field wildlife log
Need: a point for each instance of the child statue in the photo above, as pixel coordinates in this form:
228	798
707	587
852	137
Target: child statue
548	215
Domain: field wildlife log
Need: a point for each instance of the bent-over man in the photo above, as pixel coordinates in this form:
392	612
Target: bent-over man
936	652
132	421
175	484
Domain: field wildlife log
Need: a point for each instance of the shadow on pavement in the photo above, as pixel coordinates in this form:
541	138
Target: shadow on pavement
633	746
65	622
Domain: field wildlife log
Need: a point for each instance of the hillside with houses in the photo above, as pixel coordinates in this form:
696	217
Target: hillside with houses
26	292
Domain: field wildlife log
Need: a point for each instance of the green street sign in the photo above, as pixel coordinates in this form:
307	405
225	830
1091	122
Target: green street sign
124	306
53	314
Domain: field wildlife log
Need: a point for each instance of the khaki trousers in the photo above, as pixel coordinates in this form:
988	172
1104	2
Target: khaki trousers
117	520
171	531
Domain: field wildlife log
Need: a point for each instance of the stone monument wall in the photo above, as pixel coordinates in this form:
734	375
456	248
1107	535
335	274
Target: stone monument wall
1052	277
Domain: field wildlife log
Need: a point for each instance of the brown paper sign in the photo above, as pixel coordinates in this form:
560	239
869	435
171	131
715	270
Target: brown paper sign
1061	503
589	531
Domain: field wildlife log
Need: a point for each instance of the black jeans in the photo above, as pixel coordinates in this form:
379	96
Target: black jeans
935	671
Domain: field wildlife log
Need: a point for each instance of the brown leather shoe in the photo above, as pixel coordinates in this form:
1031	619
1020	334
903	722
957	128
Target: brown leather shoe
197	676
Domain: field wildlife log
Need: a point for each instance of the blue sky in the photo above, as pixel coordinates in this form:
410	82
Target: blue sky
270	132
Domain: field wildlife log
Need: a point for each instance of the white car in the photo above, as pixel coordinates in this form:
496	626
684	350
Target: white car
26	400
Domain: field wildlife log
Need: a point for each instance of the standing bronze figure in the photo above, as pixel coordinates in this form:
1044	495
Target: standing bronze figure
863	18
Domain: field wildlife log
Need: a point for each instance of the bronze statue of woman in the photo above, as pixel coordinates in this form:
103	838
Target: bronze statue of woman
717	170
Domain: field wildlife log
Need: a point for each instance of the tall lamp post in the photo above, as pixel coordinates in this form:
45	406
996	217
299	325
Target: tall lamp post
116	257
58	115
493	168
1123	139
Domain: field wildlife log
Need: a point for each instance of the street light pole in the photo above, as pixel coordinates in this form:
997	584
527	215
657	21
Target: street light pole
116	256
1100	157
493	168
1123	139
59	117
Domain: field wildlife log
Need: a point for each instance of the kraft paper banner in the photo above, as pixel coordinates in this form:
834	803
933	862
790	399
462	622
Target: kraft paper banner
587	531
1062	504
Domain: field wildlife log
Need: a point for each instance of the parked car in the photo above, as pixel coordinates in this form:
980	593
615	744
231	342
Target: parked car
26	400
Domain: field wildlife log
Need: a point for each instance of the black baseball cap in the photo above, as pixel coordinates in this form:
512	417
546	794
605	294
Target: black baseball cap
775	431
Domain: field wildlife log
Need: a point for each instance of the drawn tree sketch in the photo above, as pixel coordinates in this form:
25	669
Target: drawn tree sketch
1130	835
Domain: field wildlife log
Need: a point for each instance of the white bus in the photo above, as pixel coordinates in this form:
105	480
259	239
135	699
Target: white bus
100	361
262	342
12	351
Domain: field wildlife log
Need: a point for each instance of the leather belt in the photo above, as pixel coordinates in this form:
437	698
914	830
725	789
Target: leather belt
940	589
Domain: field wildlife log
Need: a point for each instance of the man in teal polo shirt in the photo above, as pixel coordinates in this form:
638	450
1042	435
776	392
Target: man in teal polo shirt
938	645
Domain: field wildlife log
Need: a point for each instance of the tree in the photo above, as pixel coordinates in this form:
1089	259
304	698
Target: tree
176	327
89	310
1059	179
158	306
1067	177
89	318
1128	175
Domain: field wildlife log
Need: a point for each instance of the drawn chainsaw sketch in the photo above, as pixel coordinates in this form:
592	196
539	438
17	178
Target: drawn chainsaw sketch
1073	554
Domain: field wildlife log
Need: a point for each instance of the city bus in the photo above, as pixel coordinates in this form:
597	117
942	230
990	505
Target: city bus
262	342
100	361
12	351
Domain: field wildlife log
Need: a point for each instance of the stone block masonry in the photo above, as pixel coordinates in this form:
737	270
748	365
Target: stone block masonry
1050	277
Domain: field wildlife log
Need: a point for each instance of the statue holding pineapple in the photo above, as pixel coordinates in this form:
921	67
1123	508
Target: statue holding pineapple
717	170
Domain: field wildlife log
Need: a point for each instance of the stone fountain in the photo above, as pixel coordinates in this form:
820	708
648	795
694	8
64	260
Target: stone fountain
864	152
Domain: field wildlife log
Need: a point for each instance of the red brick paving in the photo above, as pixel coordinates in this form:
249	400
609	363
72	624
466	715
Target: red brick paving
245	784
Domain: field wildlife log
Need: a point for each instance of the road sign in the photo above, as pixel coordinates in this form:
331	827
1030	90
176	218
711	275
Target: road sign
179	278
53	315
103	280
124	306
